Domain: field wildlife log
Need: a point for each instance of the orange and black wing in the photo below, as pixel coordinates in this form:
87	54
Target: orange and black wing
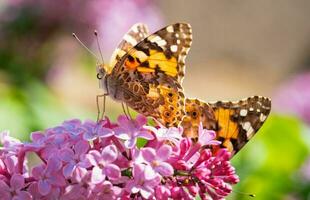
151	72
234	122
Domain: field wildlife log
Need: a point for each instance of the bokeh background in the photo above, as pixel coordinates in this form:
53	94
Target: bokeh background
240	48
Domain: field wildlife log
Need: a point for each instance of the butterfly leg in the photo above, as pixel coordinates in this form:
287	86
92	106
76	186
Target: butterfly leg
100	117
128	111
124	110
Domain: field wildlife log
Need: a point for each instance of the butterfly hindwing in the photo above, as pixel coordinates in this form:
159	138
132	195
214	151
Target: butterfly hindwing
197	112
234	122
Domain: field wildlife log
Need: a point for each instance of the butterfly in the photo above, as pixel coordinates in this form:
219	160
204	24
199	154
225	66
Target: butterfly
146	72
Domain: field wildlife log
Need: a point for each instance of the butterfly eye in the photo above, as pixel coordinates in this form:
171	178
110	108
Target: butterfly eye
99	76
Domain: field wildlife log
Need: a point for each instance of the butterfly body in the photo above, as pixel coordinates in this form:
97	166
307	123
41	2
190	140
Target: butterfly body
146	73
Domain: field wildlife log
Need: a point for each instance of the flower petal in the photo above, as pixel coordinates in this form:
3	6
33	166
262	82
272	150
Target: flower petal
109	153
105	132
66	154
17	182
23	195
112	171
164	152
68	169
81	147
44	187
38	171
94	157
4	188
97	175
146	135
53	164
122	133
148	154
130	143
165	169
57	179
141	120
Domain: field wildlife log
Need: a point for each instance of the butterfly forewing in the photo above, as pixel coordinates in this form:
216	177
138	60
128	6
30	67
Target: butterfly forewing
164	51
149	75
136	34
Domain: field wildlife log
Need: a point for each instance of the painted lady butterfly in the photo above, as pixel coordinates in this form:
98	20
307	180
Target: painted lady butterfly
146	73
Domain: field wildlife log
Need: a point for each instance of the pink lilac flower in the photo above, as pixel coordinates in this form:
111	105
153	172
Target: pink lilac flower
144	181
206	137
102	129
15	189
9	142
103	164
215	173
80	164
157	158
171	134
129	130
73	159
162	192
106	190
49	175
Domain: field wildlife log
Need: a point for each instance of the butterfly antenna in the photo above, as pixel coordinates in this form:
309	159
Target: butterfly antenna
98	44
81	43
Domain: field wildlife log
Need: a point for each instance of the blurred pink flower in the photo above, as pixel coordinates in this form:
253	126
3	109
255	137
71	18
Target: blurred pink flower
119	16
15	190
305	171
293	97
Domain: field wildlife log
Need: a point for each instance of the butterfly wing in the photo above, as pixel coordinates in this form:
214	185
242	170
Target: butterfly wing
234	122
151	72
162	52
136	34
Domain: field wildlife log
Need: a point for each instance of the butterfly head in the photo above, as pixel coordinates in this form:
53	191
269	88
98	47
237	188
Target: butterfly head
101	74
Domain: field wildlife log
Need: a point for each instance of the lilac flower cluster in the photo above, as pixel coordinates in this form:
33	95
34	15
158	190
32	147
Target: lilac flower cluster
105	160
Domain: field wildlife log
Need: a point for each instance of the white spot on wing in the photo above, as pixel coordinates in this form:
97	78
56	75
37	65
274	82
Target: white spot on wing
170	29
161	43
174	48
135	29
182	59
130	39
154	38
248	127
243	112
262	117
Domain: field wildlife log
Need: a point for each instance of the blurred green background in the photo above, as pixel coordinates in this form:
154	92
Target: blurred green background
240	48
